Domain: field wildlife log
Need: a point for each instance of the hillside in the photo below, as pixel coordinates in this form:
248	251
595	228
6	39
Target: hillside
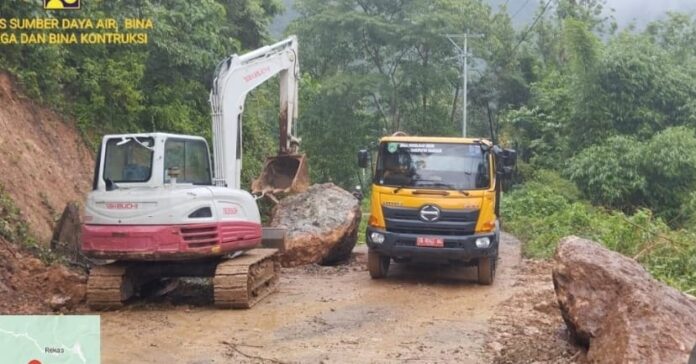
45	162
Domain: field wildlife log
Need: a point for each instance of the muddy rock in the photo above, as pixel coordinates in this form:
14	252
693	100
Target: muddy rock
616	309
322	225
66	234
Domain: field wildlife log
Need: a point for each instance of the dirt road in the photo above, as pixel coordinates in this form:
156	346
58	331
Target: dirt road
325	314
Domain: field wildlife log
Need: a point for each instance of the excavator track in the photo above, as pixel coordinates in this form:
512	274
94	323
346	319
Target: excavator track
108	287
243	281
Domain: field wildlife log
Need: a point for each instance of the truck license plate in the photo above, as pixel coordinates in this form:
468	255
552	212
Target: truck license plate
430	242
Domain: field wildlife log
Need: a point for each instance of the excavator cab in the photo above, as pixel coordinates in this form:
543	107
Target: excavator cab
283	173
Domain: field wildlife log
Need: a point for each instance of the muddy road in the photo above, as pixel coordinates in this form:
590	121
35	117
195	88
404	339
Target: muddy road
324	314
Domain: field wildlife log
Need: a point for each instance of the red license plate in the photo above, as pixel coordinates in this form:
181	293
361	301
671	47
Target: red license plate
430	242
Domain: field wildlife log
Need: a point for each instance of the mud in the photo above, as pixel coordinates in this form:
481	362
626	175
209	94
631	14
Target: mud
324	314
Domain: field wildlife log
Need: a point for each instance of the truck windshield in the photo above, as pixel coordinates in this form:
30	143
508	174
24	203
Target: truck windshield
432	165
128	159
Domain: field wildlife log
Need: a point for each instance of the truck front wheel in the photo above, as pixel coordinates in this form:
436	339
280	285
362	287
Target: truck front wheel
377	264
486	270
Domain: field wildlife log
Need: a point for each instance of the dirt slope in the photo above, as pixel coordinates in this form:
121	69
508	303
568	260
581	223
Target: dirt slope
44	162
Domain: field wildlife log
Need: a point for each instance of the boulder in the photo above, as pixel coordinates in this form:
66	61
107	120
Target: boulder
613	306
322	225
66	234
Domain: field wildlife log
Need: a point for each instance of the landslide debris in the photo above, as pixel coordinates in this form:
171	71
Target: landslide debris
322	225
612	305
28	285
528	327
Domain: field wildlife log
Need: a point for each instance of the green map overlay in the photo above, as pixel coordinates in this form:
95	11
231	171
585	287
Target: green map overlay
50	339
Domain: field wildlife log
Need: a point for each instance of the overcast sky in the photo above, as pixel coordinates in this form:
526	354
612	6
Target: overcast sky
643	11
626	11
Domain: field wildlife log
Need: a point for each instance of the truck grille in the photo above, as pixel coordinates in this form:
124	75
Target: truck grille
451	222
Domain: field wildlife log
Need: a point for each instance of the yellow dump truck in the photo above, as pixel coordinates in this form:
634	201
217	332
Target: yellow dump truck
435	200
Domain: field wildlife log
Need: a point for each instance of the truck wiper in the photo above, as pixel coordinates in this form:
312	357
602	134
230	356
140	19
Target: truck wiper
399	188
448	186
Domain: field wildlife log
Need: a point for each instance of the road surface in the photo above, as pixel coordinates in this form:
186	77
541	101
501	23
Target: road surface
323	314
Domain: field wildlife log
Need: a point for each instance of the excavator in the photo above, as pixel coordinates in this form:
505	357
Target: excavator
161	208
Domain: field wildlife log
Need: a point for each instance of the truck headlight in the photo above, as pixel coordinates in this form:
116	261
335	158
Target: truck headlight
483	243
377	238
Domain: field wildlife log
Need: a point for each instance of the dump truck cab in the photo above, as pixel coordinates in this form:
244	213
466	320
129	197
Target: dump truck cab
435	200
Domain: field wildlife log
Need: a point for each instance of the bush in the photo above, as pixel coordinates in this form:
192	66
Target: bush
540	215
628	174
609	173
669	165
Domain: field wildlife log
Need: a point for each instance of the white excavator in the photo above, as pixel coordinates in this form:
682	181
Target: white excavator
160	209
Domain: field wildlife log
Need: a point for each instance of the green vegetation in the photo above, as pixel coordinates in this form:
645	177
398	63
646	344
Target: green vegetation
546	209
365	208
160	86
14	228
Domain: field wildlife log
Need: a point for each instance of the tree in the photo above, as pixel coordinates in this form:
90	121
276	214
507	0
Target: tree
389	66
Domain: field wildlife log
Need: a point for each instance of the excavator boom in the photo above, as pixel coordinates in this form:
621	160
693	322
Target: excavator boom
235	77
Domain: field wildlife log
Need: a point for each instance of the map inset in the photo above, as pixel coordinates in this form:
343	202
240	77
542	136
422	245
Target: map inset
50	339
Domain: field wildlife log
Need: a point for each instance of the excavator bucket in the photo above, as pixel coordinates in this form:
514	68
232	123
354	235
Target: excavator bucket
282	174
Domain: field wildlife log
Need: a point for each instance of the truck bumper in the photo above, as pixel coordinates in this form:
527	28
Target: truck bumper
456	248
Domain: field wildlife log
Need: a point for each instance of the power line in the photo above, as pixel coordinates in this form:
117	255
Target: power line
524	37
463	57
520	9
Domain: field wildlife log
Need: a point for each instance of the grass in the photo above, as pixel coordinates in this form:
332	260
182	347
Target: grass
14	229
365	207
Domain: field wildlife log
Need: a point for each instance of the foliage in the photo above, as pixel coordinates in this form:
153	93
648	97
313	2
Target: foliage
382	66
160	86
541	215
617	173
609	173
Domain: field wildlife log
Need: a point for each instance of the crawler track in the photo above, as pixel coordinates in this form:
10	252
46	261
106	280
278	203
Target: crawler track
243	281
108	286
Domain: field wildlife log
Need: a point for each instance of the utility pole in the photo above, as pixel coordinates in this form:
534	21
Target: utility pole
463	58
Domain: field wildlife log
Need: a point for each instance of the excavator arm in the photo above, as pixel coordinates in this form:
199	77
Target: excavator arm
235	77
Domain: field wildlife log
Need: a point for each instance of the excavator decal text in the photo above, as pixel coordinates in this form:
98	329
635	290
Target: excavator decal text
257	73
122	206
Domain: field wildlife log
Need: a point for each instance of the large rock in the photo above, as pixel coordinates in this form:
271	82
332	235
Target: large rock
322	225
67	235
613	306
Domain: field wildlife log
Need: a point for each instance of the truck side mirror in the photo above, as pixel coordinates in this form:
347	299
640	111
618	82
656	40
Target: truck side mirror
509	158
363	158
506	159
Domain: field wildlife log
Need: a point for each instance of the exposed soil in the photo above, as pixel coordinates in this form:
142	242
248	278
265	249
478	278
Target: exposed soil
325	314
45	163
528	327
27	285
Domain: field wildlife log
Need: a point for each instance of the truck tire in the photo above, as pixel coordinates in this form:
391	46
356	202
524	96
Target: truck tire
486	270
377	264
